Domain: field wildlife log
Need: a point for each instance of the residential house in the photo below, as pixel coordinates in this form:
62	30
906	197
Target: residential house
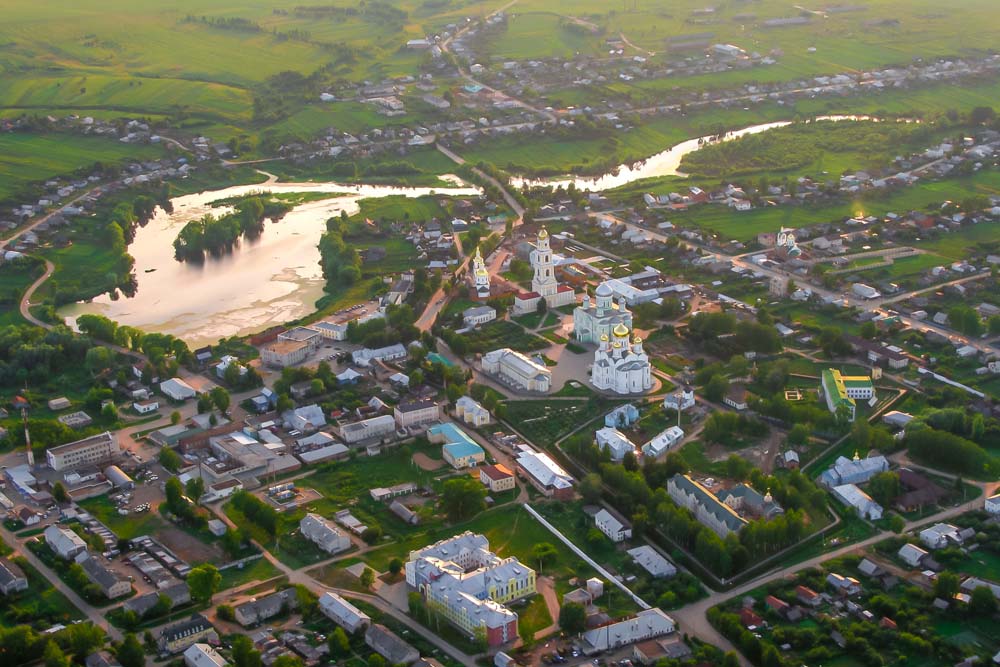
343	613
940	535
647	624
663	442
470	411
912	555
257	610
615	442
12	579
993	504
177	637
386	643
517	370
616	529
847	586
808	596
736	397
110	583
852	496
497	478
545	475
324	534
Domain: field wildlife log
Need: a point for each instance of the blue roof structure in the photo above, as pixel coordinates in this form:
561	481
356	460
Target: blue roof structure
457	442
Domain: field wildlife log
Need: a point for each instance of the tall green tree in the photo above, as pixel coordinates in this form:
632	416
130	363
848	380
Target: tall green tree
130	652
572	618
204	581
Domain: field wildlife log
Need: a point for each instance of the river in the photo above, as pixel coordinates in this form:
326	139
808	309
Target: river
664	163
263	282
276	277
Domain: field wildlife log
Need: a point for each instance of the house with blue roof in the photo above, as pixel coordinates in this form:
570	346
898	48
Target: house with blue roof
457	448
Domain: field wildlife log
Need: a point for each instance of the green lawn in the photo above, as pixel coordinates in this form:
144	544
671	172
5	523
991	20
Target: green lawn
85	268
27	158
259	570
532	617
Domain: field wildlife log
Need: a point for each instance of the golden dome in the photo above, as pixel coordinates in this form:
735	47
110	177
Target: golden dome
637	339
621	330
543	234
616	344
604	338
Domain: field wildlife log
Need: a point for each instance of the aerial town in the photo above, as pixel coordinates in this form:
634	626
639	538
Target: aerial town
460	333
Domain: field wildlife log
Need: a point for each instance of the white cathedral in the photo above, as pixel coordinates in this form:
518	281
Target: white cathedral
620	366
543	281
593	322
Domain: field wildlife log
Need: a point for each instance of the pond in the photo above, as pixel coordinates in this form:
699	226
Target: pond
263	282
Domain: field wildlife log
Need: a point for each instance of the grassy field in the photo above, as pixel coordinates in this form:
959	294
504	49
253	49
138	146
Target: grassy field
259	570
26	158
84	269
846	41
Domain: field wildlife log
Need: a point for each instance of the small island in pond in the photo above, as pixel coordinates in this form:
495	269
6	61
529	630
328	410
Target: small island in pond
215	234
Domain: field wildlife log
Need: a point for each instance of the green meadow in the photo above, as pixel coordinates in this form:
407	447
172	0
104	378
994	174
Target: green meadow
26	158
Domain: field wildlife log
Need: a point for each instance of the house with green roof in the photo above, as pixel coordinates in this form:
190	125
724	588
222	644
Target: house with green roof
842	391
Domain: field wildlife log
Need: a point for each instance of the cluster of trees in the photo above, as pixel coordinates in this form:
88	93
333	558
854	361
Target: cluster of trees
212	234
183	506
463	498
21	645
33	355
341	263
723	426
225	23
646	314
947	451
164	351
256	511
722	334
204	581
965	318
396	327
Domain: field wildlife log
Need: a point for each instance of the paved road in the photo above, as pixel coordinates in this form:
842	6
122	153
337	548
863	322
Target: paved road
25	305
